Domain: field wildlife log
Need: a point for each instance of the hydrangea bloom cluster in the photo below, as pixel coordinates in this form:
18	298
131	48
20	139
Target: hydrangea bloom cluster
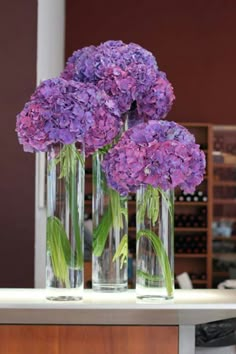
90	63
159	153
124	71
62	111
159	131
80	66
157	100
118	84
171	164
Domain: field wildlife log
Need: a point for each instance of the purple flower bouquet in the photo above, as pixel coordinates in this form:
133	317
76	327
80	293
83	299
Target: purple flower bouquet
61	118
152	159
130	76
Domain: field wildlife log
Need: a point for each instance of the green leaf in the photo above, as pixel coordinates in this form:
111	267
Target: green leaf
101	233
148	276
162	257
59	248
122	251
114	213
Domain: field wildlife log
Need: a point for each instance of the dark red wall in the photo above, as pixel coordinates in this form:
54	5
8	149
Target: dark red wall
193	41
18	76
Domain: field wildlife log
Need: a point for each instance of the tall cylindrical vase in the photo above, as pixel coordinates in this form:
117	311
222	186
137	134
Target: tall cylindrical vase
155	244
65	228
110	234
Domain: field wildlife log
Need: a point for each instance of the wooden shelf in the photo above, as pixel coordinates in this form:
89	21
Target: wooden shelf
224	183
224	165
224	218
222	274
224	201
225	256
190	255
199	281
191	203
191	229
196	281
88	202
223	238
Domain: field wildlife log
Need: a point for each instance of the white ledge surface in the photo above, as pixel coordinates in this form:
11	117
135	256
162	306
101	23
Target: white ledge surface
189	307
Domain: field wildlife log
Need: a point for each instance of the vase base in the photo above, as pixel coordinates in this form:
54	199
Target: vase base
153	294
64	298
64	294
110	288
152	298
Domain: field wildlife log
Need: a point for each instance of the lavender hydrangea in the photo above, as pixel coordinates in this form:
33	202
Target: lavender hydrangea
30	127
123	56
157	100
158	153
124	166
159	131
90	63
61	111
171	164
119	85
128	73
80	66
52	115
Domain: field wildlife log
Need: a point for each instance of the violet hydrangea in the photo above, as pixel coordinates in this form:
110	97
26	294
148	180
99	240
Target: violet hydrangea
158	153
80	66
128	73
61	111
89	63
156	101
119	85
159	131
170	164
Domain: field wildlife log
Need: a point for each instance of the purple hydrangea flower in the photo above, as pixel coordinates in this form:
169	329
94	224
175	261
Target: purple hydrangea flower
80	66
119	85
162	154
65	112
171	164
160	131
157	100
128	73
122	55
124	166
30	127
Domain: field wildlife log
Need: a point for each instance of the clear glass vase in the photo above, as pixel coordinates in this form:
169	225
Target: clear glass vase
65	222
155	244
110	234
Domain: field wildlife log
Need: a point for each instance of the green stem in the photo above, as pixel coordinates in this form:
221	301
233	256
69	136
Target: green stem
59	246
101	232
75	220
162	256
62	255
113	215
148	208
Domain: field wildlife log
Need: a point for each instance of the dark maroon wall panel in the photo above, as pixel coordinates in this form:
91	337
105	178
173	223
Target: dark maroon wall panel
194	42
18	23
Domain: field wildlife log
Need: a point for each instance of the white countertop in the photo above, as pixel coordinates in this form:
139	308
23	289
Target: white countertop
189	307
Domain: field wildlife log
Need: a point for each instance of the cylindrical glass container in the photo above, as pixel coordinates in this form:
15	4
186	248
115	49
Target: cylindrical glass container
110	234
65	222
155	244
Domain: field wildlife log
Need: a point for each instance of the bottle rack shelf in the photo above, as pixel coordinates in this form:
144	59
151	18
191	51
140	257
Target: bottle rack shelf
224	201
196	209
